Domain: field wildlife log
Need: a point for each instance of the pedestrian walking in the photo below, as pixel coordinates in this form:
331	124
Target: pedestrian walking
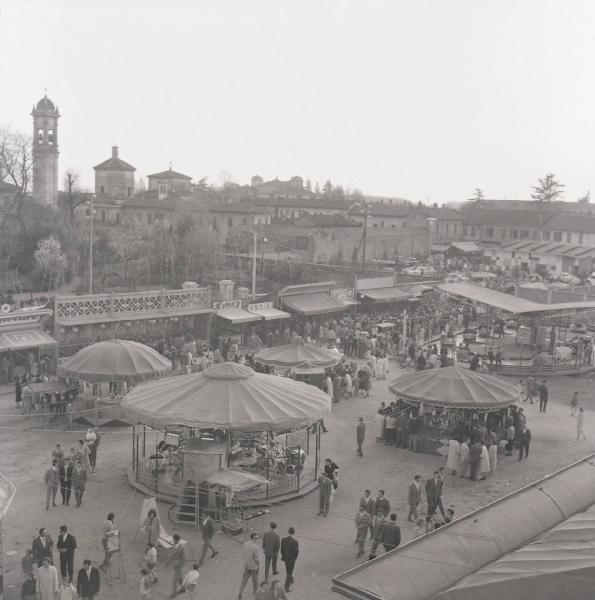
453	458
574	404
145	584
28	589
433	486
42	547
475	458
464	458
47	581
289	553
83	454
207	526
67	591
524	442
543	396
378	525
152	526
79	481
52	480
580	422
87	581
325	489
414	498
360	434
70	462
271	544
177	559
108	529
382	503
391	534
190	583
150	559
92	441
363	522
251	563
66	545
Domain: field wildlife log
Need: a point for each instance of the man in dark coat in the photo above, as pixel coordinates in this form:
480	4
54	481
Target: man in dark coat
360	434
391	534
66	546
87	582
382	504
543	396
42	547
289	553
270	545
433	492
207	526
474	458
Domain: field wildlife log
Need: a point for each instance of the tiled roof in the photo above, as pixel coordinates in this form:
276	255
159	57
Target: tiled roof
149	201
169	174
572	223
324	221
509	218
443	213
315	202
244	208
114	164
551	248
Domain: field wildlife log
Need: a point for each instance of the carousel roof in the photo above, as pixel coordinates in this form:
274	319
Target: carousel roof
297	354
228	396
115	360
456	387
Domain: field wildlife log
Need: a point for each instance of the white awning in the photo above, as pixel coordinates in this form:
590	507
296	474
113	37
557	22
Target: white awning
270	314
238	315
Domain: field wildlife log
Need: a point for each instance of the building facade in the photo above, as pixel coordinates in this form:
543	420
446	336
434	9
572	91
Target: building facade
170	182
114	177
45	152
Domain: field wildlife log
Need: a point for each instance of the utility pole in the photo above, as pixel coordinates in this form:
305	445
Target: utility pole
91	211
254	267
366	212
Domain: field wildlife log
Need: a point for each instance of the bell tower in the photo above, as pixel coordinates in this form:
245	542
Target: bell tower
45	152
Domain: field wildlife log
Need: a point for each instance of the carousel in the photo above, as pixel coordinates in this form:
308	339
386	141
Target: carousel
304	362
442	402
118	363
226	422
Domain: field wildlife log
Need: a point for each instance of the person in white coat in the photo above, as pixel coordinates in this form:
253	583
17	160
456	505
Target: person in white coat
493	454
453	459
484	462
464	457
47	581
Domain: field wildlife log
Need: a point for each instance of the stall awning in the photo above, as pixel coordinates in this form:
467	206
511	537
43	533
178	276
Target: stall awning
29	338
313	304
238	315
391	294
270	314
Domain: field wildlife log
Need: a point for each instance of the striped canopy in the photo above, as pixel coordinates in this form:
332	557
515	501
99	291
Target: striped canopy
115	360
227	396
297	354
456	387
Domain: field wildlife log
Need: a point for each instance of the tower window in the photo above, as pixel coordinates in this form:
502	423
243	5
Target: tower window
162	190
129	191
102	189
50	136
40	136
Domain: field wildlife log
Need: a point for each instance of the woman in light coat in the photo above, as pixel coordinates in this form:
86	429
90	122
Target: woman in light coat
453	459
484	464
464	457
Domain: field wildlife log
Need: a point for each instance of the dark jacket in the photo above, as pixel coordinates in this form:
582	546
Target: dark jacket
39	551
66	545
433	489
391	534
384	505
271	543
414	495
289	549
87	585
369	505
208	528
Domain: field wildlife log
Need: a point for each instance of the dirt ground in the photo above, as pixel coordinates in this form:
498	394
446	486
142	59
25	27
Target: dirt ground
326	545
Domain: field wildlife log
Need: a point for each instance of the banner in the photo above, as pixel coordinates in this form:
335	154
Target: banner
343	294
227	304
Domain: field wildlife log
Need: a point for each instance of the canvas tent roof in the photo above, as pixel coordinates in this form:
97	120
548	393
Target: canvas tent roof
297	354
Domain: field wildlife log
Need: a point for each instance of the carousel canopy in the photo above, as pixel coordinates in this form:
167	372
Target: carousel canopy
297	354
228	396
115	360
456	387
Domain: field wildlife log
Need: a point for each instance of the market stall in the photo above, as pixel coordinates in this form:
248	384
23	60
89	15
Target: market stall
259	424
438	400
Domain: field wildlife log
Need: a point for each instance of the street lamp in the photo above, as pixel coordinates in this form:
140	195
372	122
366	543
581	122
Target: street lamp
430	221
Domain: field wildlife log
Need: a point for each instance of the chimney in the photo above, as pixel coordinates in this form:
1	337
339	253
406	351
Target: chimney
435	205
114	151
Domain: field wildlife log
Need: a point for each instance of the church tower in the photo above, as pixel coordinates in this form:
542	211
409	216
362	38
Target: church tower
45	152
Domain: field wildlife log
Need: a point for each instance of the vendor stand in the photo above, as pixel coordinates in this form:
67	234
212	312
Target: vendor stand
440	399
257	423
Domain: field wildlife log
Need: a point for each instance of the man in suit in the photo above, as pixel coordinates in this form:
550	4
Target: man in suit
79	480
289	554
51	479
177	559
360	434
87	581
442	477
66	546
42	547
369	505
414	498
391	534
207	526
433	492
68	476
271	544
382	504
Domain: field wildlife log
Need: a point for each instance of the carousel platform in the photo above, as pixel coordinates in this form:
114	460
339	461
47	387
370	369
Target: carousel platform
170	493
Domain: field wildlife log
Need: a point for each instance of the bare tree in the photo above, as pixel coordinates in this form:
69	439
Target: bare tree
16	164
74	196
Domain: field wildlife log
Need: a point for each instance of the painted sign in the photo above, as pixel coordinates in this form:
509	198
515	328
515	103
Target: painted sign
343	294
227	304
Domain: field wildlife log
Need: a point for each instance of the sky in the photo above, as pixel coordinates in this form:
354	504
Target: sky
418	99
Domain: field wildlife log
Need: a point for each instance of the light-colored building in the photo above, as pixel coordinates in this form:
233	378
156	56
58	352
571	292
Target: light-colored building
45	152
114	177
169	181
